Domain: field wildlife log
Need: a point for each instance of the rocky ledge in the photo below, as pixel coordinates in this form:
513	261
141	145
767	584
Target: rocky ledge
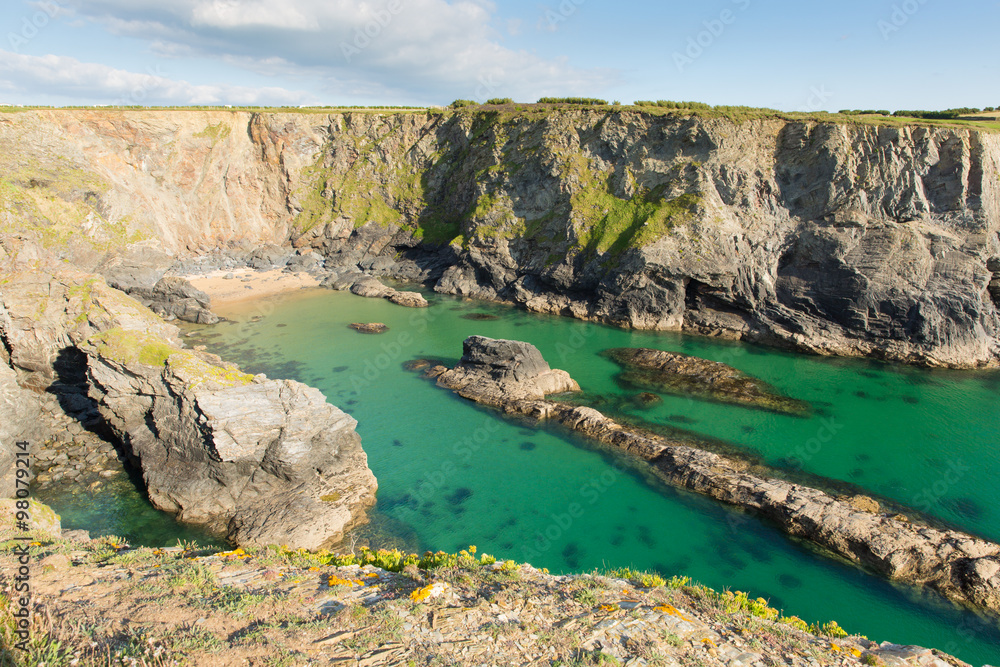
685	375
267	461
274	606
262	461
959	566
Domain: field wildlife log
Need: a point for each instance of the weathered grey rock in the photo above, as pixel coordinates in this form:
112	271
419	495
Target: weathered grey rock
304	261
269	257
246	455
959	566
44	316
408	299
371	287
19	414
137	267
175	297
215	445
496	371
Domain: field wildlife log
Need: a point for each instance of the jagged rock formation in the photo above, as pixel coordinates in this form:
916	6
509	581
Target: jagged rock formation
831	238
265	461
959	566
685	375
497	371
176	298
19	422
268	461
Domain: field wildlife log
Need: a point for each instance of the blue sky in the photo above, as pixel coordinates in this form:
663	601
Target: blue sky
790	55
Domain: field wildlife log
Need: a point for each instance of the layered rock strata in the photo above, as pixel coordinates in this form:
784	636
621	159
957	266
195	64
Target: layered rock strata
961	567
828	237
268	461
262	461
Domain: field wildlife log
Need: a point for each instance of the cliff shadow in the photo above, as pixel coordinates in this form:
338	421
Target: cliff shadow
71	389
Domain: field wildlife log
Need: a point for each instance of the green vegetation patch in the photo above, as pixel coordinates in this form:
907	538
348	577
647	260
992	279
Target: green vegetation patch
612	224
215	132
129	347
132	347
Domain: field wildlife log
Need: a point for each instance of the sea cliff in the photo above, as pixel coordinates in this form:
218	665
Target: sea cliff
834	238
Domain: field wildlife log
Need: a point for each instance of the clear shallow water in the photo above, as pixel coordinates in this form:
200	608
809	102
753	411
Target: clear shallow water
452	474
119	507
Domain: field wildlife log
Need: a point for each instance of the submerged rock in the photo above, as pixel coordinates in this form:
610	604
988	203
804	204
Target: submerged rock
369	327
685	375
646	399
512	376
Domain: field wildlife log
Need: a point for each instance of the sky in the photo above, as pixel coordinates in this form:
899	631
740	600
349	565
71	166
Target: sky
792	55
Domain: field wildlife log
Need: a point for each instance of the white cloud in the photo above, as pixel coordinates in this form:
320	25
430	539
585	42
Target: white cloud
100	84
235	14
420	50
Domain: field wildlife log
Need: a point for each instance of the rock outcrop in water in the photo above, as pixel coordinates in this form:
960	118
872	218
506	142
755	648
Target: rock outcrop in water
961	567
358	283
496	372
264	461
682	374
832	238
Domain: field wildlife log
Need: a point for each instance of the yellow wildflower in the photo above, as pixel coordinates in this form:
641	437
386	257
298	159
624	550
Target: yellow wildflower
421	594
334	580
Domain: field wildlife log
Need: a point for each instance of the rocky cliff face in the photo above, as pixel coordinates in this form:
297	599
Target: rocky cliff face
266	461
841	239
263	461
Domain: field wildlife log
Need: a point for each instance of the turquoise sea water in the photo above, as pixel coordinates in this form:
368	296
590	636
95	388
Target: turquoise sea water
452	474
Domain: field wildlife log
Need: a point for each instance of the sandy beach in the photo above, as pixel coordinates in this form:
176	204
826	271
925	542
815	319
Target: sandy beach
247	284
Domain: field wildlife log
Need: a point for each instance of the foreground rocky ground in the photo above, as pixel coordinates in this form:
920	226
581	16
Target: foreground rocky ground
100	602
